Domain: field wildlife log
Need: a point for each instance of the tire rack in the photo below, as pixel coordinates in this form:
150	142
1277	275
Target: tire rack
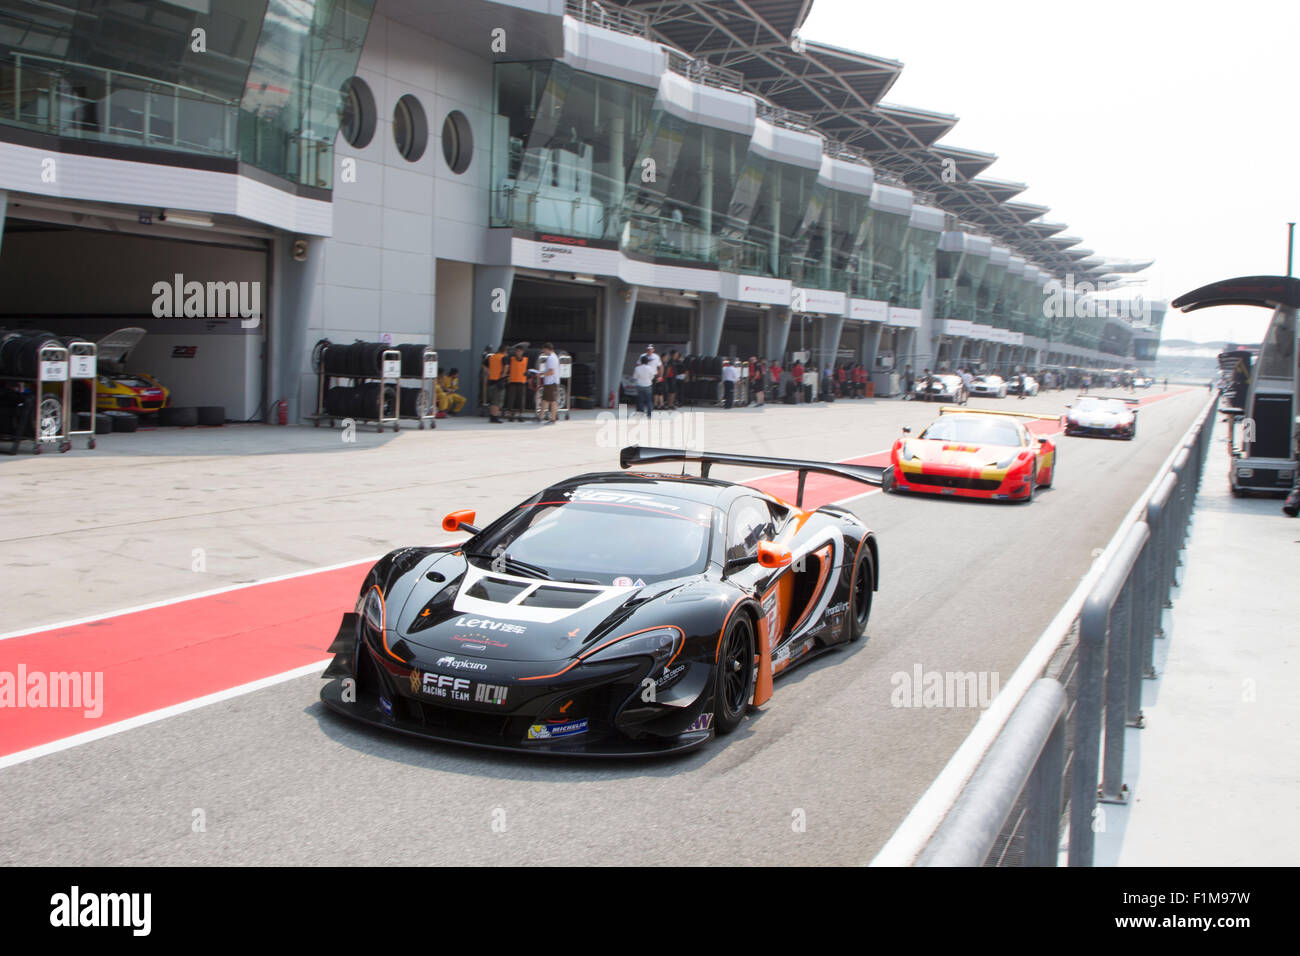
428	387
51	369
83	364
391	374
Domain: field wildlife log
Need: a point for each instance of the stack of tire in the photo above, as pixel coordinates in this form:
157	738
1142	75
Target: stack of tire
20	357
362	401
186	416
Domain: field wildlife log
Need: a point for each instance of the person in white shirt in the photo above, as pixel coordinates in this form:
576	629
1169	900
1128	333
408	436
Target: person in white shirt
643	375
548	367
730	376
658	364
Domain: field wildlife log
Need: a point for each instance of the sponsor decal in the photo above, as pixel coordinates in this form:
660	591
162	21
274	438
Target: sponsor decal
702	722
622	581
456	664
477	642
835	609
670	676
487	624
443	685
490	693
619	497
386	706
638	583
569	728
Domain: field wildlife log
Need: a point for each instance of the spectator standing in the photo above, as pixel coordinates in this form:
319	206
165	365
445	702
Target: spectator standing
774	379
909	381
517	385
672	378
548	367
757	379
657	364
495	373
643	376
796	372
730	376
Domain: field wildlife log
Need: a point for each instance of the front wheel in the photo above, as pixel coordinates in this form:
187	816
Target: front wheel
860	603
735	678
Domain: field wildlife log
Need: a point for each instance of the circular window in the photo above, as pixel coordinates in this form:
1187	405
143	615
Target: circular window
357	118
457	141
410	128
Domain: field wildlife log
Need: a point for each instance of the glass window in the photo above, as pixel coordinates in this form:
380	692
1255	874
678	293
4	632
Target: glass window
981	431
600	533
357	124
410	128
749	522
457	141
564	144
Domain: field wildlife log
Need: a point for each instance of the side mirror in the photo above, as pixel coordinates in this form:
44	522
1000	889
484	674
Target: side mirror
772	556
460	521
907	429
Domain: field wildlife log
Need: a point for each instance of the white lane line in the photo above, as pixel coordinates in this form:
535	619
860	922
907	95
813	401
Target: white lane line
131	723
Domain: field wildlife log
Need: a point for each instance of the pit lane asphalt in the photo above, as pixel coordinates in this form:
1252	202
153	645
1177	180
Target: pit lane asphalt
822	774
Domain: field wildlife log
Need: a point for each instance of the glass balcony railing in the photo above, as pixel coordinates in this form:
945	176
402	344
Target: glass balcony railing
87	102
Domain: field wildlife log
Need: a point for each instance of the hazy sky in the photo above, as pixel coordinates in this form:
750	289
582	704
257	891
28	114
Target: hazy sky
1153	128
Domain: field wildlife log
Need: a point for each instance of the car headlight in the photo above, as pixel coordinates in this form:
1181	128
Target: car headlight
660	644
371	608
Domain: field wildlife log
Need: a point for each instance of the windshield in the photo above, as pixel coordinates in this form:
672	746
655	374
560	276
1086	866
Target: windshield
596	536
975	431
1099	405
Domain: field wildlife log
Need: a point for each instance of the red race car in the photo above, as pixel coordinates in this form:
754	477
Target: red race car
974	454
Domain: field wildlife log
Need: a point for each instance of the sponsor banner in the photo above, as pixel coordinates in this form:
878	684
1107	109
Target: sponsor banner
564	254
761	289
953	326
818	300
869	310
984	332
904	318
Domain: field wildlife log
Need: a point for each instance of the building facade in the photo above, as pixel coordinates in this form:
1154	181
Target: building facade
463	173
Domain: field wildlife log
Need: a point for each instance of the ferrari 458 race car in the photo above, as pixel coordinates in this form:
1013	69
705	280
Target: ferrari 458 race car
612	614
1105	417
973	454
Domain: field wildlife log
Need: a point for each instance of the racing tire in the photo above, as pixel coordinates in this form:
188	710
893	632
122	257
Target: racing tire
860	602
182	416
124	421
1030	496
211	414
734	682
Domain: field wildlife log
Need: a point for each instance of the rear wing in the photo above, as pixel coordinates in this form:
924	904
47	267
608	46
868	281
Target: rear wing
634	455
958	410
1113	398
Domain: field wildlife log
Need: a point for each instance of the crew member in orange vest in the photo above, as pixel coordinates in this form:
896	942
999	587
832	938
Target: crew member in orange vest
517	387
494	373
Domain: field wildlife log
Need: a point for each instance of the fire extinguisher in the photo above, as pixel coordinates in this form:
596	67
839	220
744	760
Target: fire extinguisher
611	398
282	412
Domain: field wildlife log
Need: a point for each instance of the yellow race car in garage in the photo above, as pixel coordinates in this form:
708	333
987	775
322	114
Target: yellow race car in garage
120	390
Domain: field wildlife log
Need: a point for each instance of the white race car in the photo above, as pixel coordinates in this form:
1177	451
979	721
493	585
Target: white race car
1102	417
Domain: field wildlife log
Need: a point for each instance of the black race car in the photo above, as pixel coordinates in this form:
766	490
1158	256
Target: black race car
613	614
